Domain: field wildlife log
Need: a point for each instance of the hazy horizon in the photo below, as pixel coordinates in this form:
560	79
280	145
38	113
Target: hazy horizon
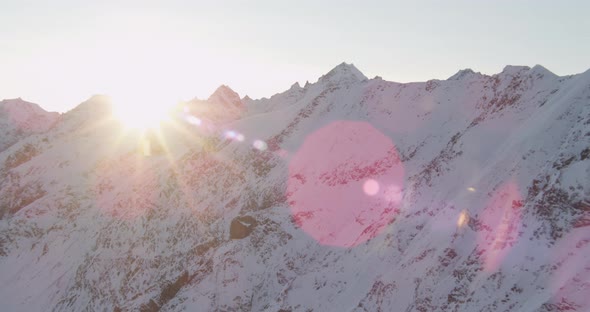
59	54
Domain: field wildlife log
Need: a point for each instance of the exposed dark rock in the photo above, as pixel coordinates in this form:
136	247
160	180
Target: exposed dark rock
241	227
151	306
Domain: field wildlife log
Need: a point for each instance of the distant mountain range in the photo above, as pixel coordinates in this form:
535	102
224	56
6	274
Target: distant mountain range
347	194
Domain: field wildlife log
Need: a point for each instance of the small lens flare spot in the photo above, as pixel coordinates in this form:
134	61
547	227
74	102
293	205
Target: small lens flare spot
463	219
471	189
193	120
240	137
230	134
259	145
371	187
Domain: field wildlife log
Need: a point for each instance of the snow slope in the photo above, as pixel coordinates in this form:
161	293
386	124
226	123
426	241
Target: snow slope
465	194
19	119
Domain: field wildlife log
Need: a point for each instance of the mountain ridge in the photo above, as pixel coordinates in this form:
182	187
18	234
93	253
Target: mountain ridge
359	194
351	70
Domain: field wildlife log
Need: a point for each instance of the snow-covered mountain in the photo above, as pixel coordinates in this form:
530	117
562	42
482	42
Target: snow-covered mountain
19	119
347	194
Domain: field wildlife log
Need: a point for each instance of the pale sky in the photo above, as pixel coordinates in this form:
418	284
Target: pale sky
58	53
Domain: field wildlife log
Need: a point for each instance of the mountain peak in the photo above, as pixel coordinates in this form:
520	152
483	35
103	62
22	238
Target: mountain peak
540	71
19	104
462	73
226	95
223	89
513	70
26	116
295	86
343	72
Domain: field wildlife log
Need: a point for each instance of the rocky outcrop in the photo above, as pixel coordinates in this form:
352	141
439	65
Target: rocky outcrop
241	227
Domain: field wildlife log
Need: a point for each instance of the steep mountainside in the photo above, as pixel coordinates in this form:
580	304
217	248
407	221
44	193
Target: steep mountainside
347	194
19	119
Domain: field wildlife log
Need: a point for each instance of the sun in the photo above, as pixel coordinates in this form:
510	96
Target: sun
141	113
140	117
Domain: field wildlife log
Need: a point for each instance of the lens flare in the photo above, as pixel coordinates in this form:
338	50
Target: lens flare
500	225
260	145
371	187
463	219
194	120
230	134
345	184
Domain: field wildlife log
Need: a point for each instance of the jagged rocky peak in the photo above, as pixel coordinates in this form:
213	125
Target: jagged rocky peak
514	70
536	72
463	73
540	71
225	95
343	73
295	86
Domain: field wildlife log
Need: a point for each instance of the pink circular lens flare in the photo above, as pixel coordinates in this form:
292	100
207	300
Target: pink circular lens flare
500	225
371	187
345	183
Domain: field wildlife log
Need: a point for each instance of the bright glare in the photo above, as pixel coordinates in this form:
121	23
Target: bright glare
260	145
463	219
371	187
141	113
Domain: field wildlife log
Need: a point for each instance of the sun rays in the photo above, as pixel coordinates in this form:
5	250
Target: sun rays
143	113
156	133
